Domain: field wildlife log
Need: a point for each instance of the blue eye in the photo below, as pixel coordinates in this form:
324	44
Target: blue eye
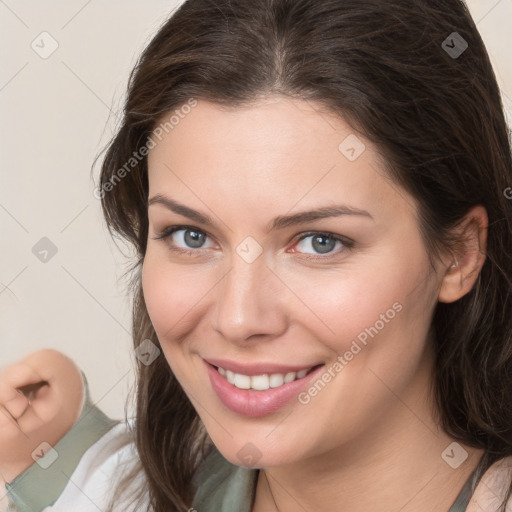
184	239
323	243
190	240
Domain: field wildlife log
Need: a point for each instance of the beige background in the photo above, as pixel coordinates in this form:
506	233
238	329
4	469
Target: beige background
56	114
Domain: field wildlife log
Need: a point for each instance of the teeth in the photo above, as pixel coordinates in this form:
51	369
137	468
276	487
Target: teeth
276	380
289	377
242	381
261	382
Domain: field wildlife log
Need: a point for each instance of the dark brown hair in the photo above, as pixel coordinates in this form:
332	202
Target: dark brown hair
435	117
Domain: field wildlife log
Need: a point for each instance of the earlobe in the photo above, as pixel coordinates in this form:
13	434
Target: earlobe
462	271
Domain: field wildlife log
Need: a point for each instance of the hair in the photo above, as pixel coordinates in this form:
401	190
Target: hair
437	120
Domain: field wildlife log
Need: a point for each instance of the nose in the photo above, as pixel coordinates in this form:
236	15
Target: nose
249	304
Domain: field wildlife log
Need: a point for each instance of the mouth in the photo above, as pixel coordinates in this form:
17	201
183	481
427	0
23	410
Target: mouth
263	381
260	393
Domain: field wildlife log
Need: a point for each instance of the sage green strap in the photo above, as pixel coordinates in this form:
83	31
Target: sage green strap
37	488
462	501
222	486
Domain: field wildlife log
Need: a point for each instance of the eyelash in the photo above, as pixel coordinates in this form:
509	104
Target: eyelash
167	232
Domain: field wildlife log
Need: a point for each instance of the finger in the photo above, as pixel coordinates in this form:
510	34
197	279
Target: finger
15	431
16	376
31	389
6	417
17	405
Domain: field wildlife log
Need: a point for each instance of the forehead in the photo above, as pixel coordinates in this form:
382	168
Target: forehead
278	151
274	125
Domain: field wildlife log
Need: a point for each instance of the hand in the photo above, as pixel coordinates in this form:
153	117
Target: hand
41	397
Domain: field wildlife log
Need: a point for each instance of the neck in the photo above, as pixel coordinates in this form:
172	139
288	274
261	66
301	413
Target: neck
395	464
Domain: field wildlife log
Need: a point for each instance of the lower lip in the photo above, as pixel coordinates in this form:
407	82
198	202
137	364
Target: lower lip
254	403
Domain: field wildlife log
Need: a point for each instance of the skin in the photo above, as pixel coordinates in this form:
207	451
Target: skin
52	411
369	440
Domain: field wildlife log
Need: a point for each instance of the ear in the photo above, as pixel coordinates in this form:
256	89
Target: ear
462	270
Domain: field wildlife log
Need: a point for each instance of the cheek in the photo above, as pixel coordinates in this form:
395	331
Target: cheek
342	306
174	296
369	315
379	323
170	300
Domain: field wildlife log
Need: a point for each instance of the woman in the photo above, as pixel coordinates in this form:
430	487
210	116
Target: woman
316	195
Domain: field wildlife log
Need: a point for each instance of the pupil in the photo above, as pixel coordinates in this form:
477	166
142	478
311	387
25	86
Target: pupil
193	238
323	248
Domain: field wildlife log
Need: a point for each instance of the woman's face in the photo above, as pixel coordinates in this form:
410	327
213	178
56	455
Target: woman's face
255	284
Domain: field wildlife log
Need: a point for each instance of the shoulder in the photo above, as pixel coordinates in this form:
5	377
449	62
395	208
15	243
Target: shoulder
492	488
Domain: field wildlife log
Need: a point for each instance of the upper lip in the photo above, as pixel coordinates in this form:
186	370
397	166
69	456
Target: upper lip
257	368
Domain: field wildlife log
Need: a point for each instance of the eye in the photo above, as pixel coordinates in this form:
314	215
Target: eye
318	243
191	240
184	239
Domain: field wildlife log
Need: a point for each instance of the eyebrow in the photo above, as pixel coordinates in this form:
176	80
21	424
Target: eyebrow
279	222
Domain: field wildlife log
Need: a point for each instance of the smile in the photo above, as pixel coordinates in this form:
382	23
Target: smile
259	393
261	382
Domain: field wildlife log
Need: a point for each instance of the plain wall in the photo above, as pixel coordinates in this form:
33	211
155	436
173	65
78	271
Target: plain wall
55	118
